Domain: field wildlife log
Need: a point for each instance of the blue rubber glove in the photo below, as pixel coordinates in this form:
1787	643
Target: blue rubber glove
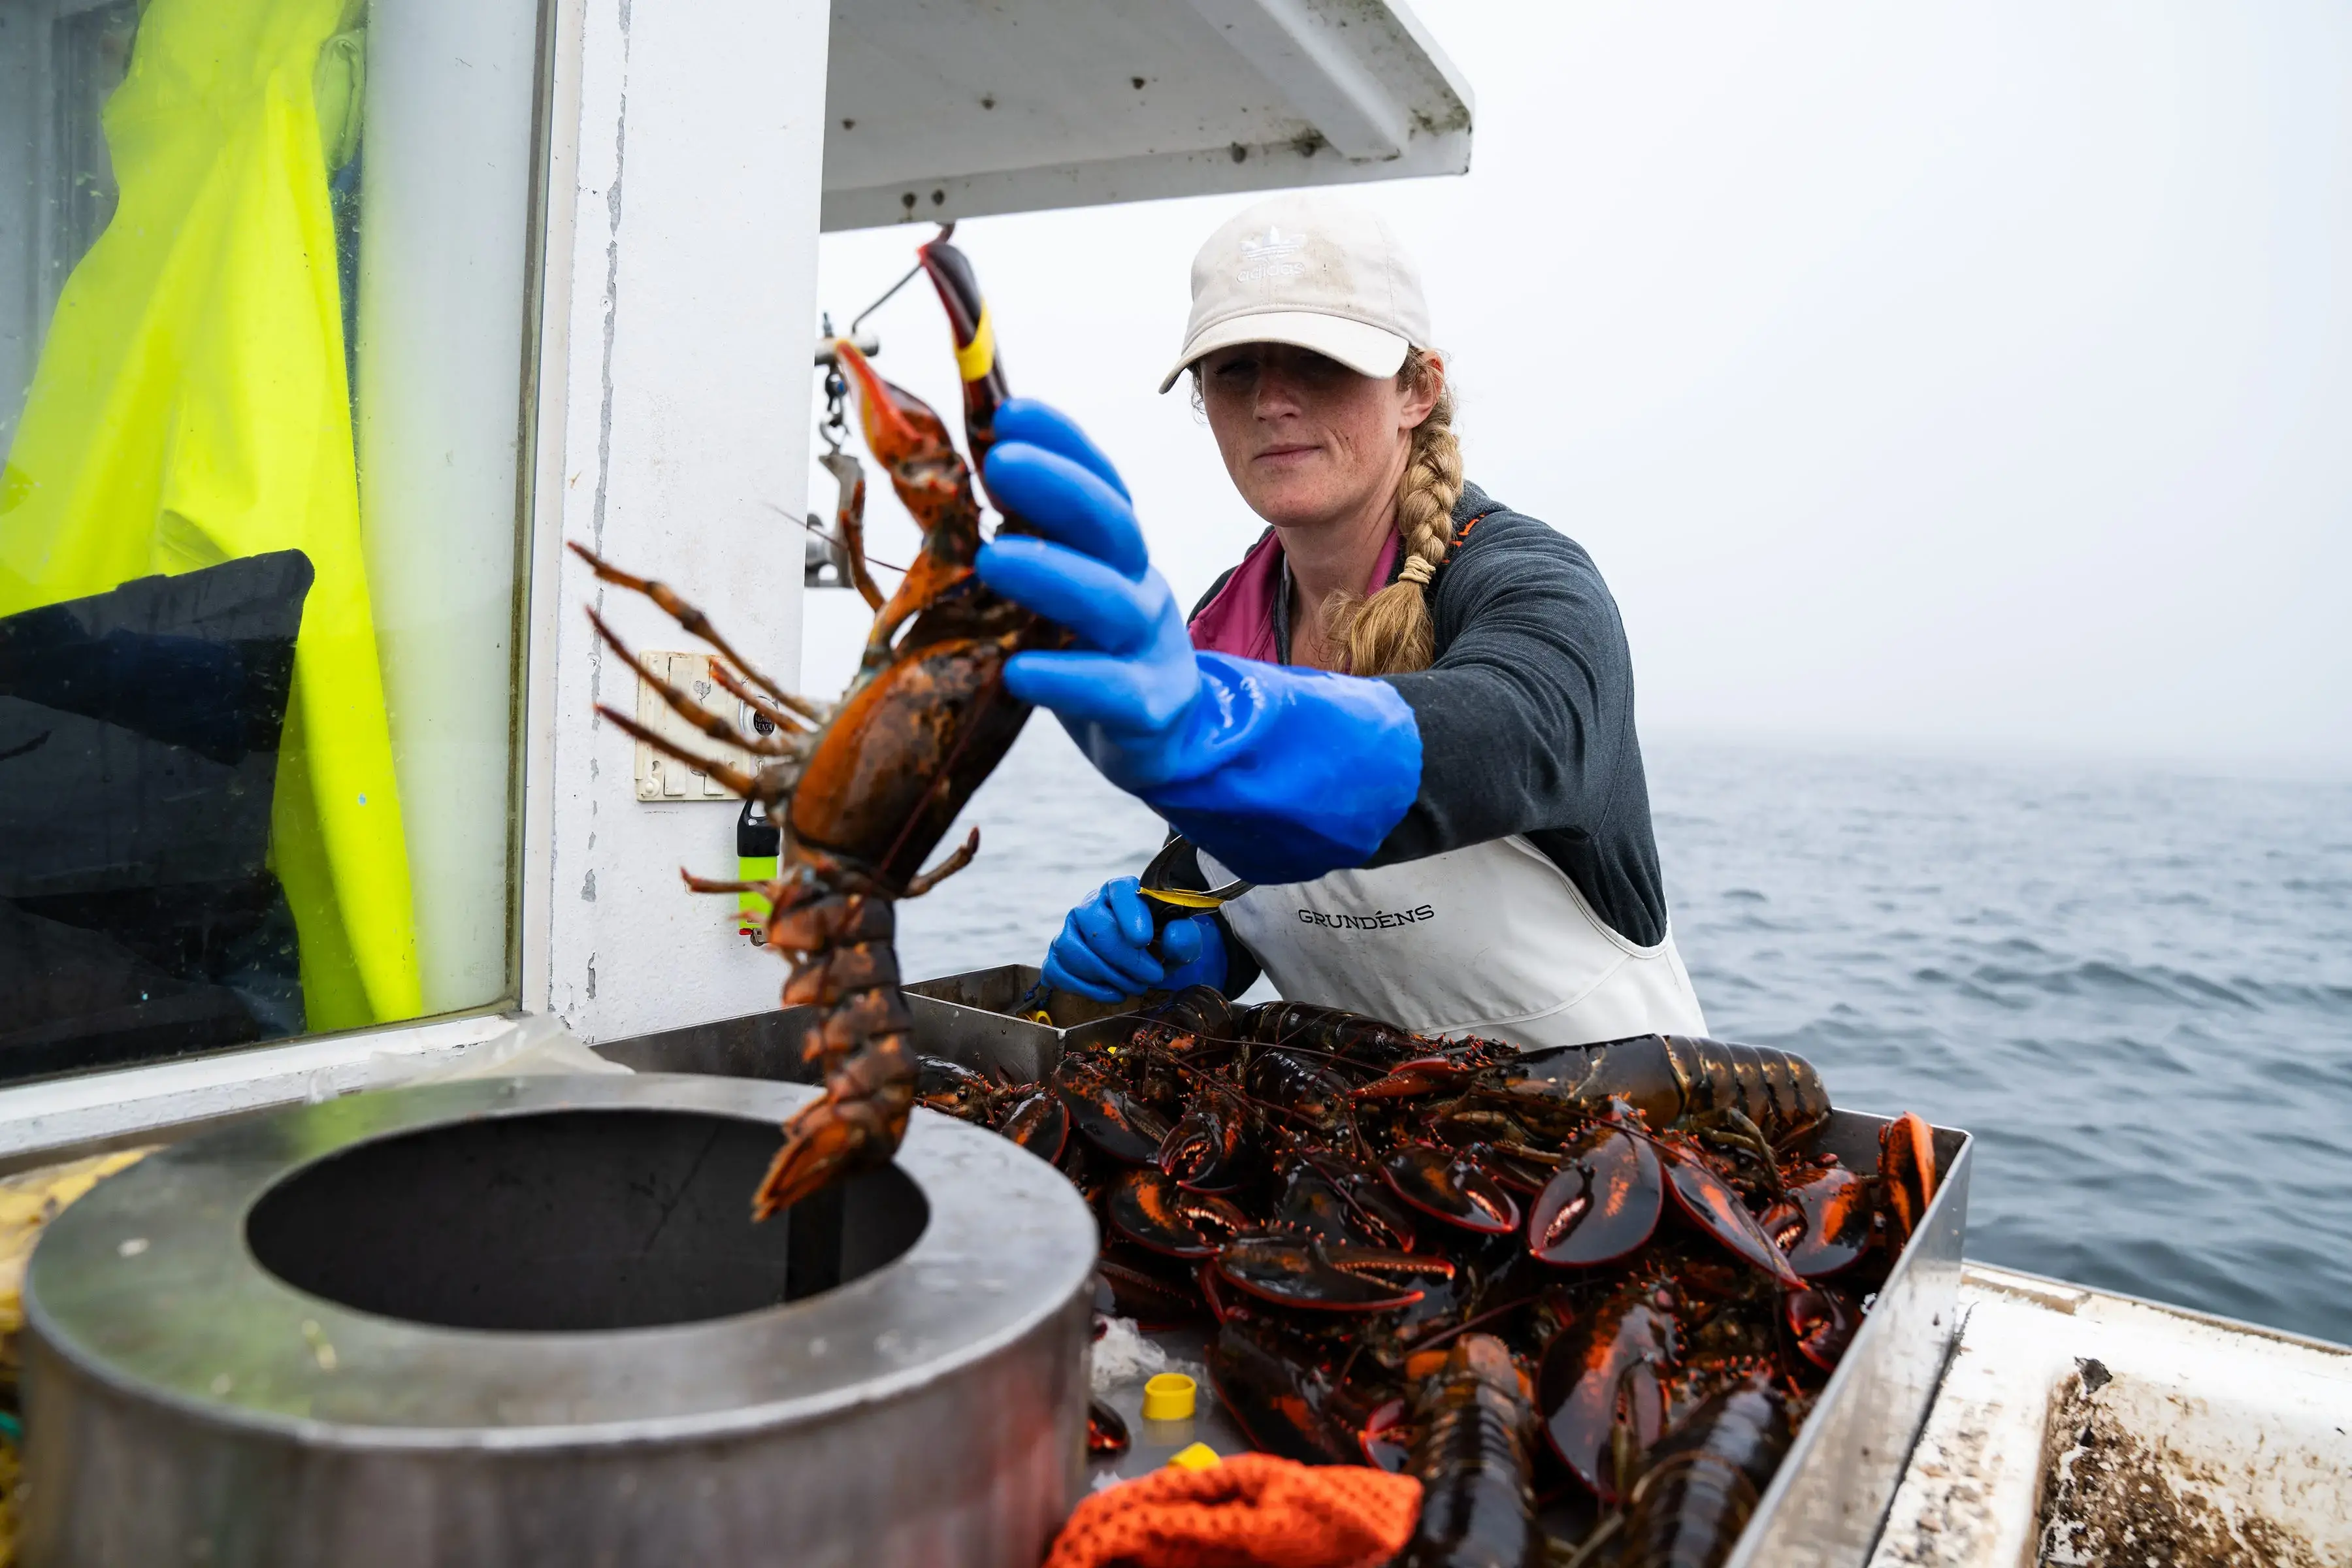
1280	774
1106	949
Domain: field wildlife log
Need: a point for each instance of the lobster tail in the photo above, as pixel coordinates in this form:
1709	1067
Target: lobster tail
1776	1090
1668	1078
1703	1482
1475	1463
850	960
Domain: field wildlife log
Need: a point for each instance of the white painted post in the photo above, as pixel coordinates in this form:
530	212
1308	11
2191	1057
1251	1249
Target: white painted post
693	277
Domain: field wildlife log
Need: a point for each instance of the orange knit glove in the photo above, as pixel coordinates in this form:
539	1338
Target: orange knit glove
1253	1511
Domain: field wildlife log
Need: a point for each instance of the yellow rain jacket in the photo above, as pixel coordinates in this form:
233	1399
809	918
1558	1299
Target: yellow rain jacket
191	406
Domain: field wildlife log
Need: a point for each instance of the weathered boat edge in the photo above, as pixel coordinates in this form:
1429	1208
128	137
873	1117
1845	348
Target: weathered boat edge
1830	1497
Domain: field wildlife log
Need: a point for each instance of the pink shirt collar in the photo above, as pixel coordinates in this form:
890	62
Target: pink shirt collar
1240	619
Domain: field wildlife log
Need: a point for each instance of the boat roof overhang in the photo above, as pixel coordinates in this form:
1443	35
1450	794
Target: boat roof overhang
950	109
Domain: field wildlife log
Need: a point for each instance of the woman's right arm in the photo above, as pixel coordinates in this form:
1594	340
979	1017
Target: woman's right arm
1283	774
1526	723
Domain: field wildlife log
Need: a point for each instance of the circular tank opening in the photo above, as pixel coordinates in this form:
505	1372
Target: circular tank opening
572	1220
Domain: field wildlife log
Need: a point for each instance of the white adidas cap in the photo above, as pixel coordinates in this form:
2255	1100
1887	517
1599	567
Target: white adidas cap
1312	270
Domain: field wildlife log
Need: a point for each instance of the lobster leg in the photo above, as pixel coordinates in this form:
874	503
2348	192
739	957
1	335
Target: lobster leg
924	881
783	743
742	694
925	582
734	778
850	521
1727	1127
779	891
696	623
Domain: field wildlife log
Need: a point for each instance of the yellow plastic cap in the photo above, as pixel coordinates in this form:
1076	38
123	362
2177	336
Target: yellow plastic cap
1198	1457
1168	1397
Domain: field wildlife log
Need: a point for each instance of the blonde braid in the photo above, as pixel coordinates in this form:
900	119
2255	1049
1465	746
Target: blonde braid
1390	632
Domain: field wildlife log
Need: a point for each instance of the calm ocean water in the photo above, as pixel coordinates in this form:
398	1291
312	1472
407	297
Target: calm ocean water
2135	988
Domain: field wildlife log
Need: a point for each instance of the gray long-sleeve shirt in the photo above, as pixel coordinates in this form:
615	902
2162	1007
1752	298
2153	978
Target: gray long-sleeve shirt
1527	716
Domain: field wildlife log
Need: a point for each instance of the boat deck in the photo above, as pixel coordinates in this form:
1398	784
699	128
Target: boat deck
2165	1436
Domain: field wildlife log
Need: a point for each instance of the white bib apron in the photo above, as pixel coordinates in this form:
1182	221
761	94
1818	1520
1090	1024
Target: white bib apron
1493	940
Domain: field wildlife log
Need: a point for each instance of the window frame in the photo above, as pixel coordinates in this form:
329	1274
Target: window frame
124	1105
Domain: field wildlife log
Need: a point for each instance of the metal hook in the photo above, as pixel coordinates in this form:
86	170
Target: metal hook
946	229
885	298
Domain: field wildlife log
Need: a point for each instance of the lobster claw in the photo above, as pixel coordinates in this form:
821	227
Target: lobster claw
1907	1171
1335	1200
1301	1091
1448	1184
1039	1124
1821	1221
1106	1436
1821	1324
1202	1011
1125	1290
1714	1205
1330	1277
1388	1436
1148	1209
1285	1401
1106	1115
1608	1369
1604	1202
954	1090
1209	1149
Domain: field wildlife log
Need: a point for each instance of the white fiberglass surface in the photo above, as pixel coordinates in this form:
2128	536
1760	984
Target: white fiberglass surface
2079	1427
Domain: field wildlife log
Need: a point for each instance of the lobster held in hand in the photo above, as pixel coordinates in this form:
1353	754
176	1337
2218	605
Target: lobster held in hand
862	790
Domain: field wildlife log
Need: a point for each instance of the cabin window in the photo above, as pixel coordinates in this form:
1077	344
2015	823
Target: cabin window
264	272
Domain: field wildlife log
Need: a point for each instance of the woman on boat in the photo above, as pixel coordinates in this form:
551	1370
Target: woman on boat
1405	718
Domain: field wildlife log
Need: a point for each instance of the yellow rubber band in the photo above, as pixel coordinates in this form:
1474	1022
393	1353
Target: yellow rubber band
1181	898
978	357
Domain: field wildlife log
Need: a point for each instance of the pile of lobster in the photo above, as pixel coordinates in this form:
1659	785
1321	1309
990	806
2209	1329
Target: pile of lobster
1607	1271
1605	1268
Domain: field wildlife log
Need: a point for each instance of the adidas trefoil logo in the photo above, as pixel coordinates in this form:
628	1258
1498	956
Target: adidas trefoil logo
1272	253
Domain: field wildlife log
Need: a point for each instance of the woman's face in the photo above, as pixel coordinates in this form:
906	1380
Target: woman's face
1306	440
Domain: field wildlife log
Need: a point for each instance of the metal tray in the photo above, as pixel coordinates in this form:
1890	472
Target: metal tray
1827	1503
971	1018
965	1017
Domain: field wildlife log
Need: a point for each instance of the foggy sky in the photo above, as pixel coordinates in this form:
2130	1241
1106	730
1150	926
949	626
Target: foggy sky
1961	376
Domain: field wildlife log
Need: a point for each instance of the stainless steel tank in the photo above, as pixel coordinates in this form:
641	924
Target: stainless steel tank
521	1321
